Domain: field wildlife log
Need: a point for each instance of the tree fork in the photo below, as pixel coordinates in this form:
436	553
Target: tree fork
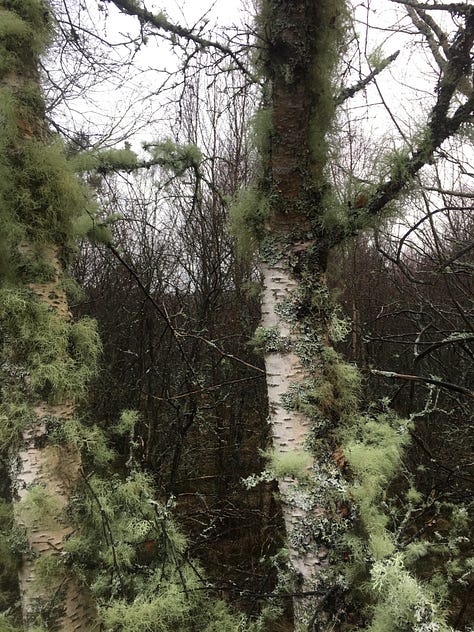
302	39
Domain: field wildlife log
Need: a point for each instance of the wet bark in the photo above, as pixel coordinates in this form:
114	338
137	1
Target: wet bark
61	602
295	184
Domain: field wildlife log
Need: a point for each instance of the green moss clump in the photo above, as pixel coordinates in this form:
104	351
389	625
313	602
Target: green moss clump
40	195
105	160
374	454
174	157
330	40
25	32
293	464
405	603
58	356
134	558
38	505
248	213
89	440
48	194
172	609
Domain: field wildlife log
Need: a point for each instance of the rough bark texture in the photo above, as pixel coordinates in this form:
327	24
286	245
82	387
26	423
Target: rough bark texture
41	467
296	32
64	603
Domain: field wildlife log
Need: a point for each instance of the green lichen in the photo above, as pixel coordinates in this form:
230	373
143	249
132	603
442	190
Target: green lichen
40	195
248	213
25	30
405	604
294	464
59	357
43	358
105	160
270	340
38	506
175	157
329	42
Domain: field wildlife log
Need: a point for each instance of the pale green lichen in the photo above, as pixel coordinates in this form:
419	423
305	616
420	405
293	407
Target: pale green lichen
270	340
248	213
292	464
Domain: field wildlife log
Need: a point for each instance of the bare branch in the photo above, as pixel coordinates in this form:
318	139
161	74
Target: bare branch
440	126
455	7
347	93
426	380
160	22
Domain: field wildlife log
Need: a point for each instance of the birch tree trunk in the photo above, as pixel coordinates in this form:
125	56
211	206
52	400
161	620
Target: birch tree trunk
302	38
43	480
45	373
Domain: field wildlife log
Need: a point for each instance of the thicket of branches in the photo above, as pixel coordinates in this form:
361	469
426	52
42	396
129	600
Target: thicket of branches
177	305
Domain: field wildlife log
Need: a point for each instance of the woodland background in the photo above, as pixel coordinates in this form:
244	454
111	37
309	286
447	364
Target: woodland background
179	397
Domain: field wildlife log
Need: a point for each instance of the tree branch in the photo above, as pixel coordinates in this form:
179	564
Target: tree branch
440	127
455	7
161	22
426	380
347	93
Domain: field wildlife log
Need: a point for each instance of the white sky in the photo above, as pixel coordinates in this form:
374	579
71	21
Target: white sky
124	96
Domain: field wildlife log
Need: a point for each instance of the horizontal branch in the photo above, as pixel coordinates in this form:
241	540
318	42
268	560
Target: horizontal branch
425	380
454	7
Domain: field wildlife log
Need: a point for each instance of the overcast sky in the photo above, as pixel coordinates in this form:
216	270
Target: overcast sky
127	90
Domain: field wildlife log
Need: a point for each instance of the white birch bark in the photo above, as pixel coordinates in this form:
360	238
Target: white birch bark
289	428
56	469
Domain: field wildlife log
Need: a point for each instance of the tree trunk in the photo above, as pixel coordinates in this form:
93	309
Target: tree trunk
44	376
54	470
301	36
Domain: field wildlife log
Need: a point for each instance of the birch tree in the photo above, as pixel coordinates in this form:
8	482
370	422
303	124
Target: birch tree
333	464
46	358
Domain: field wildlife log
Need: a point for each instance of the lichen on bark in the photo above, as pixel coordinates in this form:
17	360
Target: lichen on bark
46	359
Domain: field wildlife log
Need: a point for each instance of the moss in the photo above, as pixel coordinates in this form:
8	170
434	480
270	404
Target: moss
39	193
49	571
374	455
46	356
413	552
261	130
7	625
33	268
89	439
136	561
25	30
293	464
38	507
127	422
174	157
329	42
333	395
85	341
49	195
248	213
105	160
405	604
8	559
